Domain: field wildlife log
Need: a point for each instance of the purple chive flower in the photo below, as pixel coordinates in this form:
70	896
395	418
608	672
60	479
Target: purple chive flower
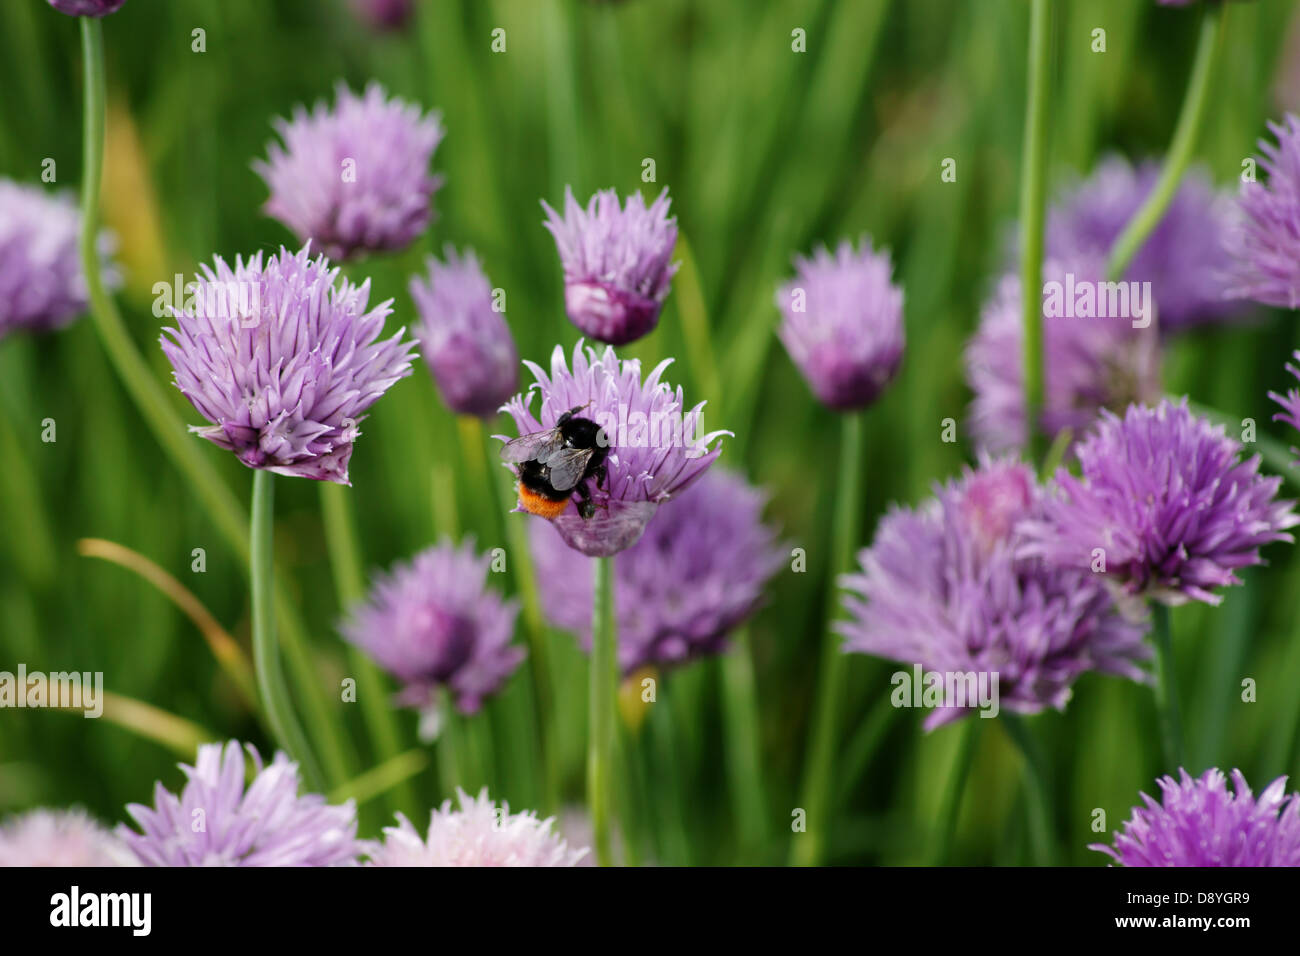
433	623
1089	364
842	323
1290	402
944	586
478	834
59	838
655	447
1265	245
1164	506
1199	823
283	359
700	569
355	178
87	8
463	337
1183	257
218	821
384	14
616	262
42	286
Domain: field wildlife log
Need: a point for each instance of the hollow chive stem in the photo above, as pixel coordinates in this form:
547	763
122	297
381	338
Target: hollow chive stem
349	582
958	776
1166	690
602	699
1036	799
223	508
1033	200
1191	118
451	756
276	703
816	801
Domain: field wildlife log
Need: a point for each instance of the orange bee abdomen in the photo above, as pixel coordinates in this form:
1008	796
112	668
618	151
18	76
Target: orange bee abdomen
536	504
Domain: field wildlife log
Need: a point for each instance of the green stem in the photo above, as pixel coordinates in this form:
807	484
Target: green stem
740	702
864	743
1040	828
222	507
670	788
634	806
695	325
345	559
956	787
512	530
1209	50
28	527
604	687
266	650
1033	202
1285	743
381	779
1166	690
809	847
131	367
451	759
321	713
744	764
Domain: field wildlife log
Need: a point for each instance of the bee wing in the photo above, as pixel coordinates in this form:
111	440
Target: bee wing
567	466
539	445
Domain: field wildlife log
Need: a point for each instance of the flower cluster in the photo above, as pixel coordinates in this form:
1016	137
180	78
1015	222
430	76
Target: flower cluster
218	821
1199	823
842	323
433	623
87	8
478	834
284	360
42	285
1182	258
1163	506
463	337
945	586
355	178
655	449
59	838
1290	402
1089	364
1264	244
699	570
616	262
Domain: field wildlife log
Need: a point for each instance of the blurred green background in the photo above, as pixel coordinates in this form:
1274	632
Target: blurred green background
766	153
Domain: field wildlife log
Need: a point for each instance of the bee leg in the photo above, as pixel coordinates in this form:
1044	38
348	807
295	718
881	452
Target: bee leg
586	507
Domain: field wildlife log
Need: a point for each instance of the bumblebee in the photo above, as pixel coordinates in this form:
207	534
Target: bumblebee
555	464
